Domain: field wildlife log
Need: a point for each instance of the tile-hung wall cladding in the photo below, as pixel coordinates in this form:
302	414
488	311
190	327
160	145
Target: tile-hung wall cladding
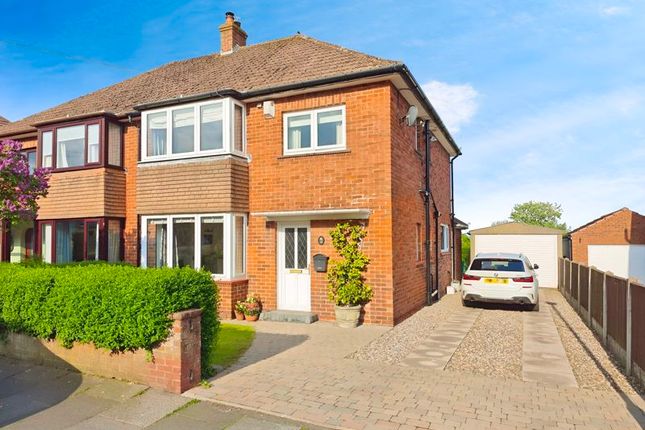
212	127
215	242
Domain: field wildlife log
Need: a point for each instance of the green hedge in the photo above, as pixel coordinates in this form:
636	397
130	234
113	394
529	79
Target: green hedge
117	307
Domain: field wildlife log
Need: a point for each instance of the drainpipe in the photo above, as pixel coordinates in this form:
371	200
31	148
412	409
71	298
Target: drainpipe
452	215
426	203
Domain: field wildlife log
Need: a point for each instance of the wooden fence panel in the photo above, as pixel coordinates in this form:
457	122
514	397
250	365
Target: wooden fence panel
596	295
567	278
617	310
561	274
584	285
574	281
638	325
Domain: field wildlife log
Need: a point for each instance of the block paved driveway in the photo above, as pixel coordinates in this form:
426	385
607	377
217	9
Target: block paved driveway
302	372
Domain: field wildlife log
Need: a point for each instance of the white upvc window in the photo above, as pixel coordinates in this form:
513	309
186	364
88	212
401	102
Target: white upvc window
318	130
215	242
445	238
189	130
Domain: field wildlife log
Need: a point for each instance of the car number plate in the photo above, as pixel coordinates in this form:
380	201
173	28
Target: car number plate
495	281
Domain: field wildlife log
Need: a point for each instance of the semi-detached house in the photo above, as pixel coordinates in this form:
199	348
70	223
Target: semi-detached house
241	162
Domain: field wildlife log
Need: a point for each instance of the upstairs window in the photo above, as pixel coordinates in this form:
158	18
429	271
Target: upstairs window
192	130
31	161
81	145
70	146
314	131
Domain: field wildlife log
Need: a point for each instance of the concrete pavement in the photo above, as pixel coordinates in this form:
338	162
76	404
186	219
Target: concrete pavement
38	397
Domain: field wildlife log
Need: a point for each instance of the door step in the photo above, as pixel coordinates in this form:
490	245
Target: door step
289	316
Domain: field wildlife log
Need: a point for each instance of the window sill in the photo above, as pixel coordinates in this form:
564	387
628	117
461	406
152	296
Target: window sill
191	158
314	153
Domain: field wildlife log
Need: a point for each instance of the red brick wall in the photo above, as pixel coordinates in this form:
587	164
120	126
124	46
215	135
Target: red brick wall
357	178
230	292
176	364
440	187
457	256
408	175
621	228
130	160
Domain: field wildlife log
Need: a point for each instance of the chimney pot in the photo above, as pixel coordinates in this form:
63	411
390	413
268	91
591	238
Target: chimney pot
231	34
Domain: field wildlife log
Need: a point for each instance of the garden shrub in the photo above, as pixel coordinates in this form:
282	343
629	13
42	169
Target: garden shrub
116	307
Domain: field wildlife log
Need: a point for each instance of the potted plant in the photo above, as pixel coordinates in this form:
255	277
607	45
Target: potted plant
239	310
252	307
346	284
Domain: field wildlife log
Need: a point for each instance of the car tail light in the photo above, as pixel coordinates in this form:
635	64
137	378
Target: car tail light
471	278
527	279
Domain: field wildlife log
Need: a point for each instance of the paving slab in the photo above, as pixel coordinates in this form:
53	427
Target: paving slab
99	422
145	409
440	345
543	356
65	414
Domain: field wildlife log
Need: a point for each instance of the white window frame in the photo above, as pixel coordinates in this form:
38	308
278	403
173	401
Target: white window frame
228	219
445	238
228	130
313	113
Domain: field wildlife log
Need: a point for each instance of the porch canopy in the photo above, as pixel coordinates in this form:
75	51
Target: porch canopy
316	214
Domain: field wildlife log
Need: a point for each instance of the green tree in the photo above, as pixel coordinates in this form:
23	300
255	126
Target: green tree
545	214
465	251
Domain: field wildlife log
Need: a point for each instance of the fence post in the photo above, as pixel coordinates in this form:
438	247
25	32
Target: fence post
628	352
570	281
578	287
589	298
604	309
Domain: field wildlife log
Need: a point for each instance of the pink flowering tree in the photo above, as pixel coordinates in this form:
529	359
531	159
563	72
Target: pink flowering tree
19	189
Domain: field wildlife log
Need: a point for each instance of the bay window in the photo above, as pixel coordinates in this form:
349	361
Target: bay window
194	129
68	241
81	145
215	242
315	130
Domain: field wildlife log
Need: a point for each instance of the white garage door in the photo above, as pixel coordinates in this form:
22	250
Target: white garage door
540	249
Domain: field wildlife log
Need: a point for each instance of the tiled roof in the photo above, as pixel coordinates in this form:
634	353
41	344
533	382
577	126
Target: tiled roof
291	60
3	120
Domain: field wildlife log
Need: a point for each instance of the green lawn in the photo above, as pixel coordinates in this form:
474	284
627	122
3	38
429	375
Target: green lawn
232	341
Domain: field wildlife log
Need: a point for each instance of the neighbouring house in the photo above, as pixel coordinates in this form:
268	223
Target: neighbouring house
542	246
614	242
241	162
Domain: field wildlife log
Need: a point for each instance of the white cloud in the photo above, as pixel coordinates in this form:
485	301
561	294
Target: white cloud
614	10
456	104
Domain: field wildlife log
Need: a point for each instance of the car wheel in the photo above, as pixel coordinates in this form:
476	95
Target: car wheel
466	303
536	307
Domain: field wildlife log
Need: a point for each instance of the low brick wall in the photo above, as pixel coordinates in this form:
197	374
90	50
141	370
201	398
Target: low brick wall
175	365
230	292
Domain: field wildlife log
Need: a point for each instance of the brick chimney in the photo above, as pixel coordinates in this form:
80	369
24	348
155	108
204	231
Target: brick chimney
231	34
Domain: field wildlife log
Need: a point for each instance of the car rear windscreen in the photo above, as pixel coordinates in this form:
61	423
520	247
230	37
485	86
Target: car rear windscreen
497	264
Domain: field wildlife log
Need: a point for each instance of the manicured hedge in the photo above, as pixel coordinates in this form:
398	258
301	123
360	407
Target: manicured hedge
117	307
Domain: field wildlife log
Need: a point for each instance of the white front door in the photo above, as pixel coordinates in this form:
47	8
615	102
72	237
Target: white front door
294	283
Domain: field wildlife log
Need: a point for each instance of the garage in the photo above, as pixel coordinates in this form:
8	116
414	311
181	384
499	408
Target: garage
542	246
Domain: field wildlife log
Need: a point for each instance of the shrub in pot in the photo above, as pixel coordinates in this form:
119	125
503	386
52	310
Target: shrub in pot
240	307
346	284
252	308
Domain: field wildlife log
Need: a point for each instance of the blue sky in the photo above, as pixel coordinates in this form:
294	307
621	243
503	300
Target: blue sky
546	98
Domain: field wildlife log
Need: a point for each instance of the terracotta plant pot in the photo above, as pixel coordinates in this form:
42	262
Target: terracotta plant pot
239	315
252	317
347	316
